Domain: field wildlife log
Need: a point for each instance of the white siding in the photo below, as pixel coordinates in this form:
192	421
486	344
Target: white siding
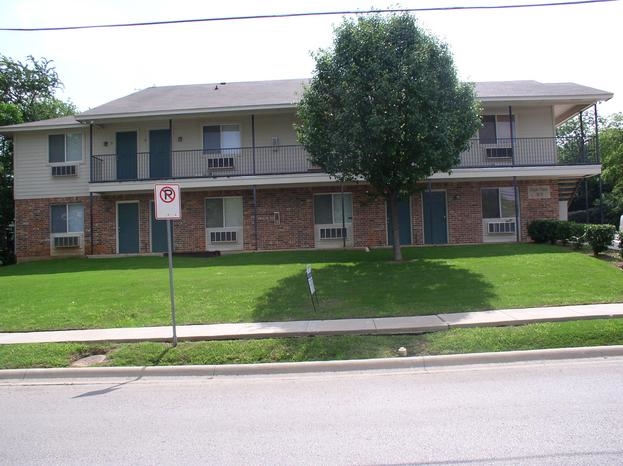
33	176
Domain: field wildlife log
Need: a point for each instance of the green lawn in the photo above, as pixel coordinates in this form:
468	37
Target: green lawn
468	340
84	293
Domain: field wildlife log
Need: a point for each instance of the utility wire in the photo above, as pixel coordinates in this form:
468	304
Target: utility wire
318	13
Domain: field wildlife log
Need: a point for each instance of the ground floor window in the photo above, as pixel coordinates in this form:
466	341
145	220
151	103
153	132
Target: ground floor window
66	227
67	218
224	221
333	218
328	209
498	210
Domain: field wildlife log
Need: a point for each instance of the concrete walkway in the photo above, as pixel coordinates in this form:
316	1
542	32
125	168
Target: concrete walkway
376	326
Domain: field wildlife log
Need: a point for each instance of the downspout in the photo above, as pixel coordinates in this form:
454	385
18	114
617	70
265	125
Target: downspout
91	194
254	186
343	218
515	187
598	157
582	160
430	213
171	148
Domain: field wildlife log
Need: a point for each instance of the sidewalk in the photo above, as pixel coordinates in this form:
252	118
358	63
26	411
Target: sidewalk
371	326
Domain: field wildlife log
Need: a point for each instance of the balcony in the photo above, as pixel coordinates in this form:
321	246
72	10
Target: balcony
293	159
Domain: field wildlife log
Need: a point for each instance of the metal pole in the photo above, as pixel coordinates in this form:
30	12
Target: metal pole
517	206
257	242
172	292
582	139
343	219
429	201
91	194
512	133
588	220
598	160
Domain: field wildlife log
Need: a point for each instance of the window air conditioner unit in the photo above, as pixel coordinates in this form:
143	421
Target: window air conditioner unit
500	228
333	233
221	162
223	237
499	152
66	241
64	170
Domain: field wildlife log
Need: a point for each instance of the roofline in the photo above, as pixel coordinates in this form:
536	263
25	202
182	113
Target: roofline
9	130
592	98
85	117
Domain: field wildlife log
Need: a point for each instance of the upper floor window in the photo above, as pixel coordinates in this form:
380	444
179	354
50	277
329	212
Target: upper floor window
219	139
66	147
328	209
67	218
496	129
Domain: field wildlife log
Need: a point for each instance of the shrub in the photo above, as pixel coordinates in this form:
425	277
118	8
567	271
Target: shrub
552	230
542	231
599	237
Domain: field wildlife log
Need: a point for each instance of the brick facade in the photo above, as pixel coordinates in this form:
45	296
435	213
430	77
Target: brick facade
285	217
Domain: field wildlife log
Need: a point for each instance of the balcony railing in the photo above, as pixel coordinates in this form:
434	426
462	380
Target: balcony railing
290	160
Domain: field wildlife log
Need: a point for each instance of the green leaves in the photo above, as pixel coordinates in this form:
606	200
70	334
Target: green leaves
385	104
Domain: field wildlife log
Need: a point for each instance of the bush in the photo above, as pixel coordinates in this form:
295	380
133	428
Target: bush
599	237
542	231
551	230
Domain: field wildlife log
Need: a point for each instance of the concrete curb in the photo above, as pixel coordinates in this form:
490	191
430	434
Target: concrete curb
421	363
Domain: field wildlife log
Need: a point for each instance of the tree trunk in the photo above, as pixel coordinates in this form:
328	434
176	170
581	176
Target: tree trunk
393	209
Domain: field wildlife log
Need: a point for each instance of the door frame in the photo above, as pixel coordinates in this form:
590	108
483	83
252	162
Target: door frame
445	192
117	224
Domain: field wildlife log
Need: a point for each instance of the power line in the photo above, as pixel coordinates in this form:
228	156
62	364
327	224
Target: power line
317	13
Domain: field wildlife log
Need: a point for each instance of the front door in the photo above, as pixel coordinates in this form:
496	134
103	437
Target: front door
126	155
159	153
435	218
404	222
127	227
158	232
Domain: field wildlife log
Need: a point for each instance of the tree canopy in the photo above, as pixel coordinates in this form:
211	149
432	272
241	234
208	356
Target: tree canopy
27	93
385	105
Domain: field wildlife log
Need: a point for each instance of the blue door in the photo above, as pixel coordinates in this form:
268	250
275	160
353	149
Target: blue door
404	223
126	155
158	233
159	154
435	217
127	227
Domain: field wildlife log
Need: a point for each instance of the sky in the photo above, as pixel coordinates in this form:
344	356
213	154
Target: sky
579	43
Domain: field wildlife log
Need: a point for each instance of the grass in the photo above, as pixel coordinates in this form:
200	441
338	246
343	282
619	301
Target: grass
128	292
470	340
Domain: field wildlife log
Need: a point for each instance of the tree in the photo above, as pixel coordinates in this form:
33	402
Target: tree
578	143
611	147
385	105
27	93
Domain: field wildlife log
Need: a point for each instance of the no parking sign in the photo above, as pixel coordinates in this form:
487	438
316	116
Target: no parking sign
167	201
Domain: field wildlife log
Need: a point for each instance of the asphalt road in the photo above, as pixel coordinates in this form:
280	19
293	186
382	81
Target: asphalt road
565	412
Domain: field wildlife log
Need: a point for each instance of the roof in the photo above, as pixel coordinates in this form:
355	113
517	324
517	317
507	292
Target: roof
568	99
54	123
198	98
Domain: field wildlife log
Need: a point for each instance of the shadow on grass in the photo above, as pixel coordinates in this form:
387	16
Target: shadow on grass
376	289
72	265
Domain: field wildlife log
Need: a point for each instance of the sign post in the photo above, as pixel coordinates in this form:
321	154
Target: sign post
312	288
167	202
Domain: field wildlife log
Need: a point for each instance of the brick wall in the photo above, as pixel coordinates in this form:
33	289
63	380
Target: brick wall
285	217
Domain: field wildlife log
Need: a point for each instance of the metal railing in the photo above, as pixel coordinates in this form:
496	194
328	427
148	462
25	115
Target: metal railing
293	159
